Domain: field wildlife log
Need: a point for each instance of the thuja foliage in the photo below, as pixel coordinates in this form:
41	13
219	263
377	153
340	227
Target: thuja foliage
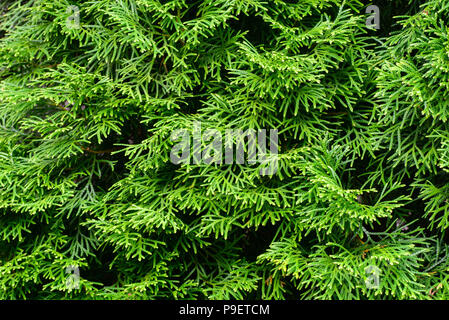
86	181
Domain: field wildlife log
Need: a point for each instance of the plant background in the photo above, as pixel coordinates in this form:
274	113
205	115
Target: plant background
86	179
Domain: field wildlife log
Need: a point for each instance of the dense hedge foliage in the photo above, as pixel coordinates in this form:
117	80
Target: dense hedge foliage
88	192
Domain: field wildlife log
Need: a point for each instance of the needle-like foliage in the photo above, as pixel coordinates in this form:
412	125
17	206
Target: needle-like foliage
358	207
